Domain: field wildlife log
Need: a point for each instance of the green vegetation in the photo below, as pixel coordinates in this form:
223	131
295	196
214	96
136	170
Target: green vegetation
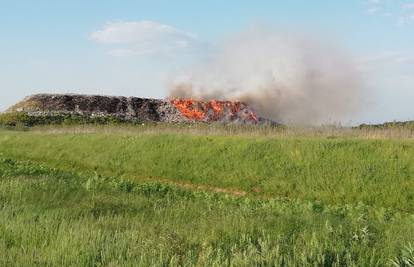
332	170
389	125
140	196
22	119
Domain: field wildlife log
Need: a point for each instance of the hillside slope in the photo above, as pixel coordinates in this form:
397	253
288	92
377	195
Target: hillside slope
105	196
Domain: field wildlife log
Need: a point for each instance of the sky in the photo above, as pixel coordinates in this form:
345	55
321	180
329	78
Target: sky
133	48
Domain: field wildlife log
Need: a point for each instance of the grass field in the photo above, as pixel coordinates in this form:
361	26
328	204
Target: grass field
206	196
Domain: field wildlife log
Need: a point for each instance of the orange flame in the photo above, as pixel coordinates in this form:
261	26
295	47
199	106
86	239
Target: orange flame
186	107
211	110
217	107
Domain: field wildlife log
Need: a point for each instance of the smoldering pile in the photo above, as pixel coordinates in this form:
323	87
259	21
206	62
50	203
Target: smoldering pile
135	109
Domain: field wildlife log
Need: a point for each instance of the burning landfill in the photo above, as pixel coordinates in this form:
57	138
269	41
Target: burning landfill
136	109
284	77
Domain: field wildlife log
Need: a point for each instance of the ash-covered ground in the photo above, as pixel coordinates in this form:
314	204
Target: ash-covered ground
137	109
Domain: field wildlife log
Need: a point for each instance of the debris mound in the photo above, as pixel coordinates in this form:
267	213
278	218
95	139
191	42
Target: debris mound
135	109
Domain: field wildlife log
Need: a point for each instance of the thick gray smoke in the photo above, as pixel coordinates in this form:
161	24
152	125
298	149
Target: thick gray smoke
286	77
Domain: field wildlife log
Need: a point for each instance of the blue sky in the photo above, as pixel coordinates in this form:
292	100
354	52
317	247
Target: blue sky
132	47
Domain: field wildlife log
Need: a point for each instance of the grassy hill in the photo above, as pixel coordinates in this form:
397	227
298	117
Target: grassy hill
180	195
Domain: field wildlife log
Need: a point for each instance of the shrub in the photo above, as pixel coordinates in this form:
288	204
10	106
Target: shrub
15	119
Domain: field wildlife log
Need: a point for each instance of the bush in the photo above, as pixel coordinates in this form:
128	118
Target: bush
16	119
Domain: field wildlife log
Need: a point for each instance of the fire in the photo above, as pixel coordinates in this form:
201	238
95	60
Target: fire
214	110
217	107
188	109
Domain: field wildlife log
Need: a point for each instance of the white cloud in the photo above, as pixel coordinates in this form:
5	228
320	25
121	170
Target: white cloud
142	37
408	6
373	10
402	21
390	62
121	52
400	57
405	19
402	12
387	14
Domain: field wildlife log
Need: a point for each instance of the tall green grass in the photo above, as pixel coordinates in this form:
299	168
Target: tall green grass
331	170
149	196
51	217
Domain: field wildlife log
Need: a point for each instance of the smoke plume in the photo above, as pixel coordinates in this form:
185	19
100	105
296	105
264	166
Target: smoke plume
287	77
